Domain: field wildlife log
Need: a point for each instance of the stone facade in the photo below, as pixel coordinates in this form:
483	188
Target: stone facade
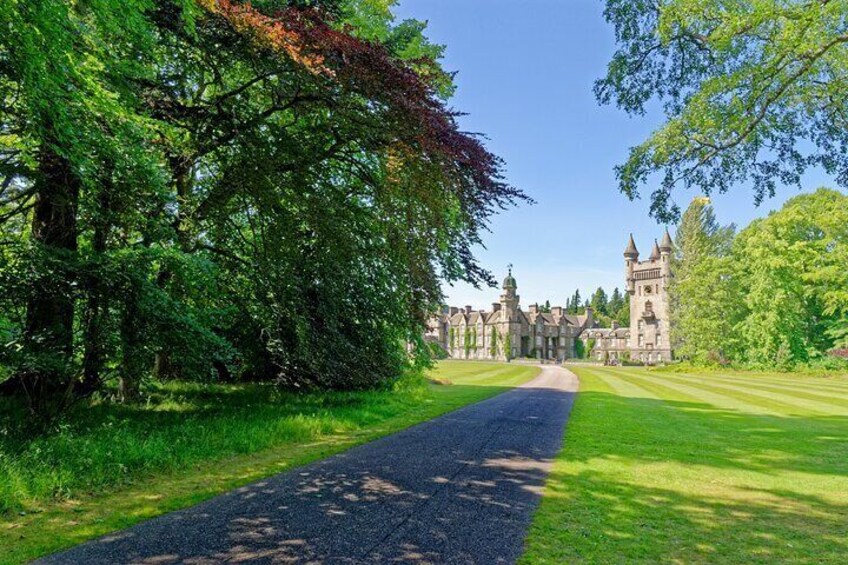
647	338
507	331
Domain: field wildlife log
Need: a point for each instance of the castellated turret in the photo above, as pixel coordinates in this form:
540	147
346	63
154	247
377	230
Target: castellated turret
647	285
631	256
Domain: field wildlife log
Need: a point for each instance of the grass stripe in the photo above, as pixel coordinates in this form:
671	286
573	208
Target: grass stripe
836	399
798	400
838	384
741	402
623	387
711	472
800	386
657	388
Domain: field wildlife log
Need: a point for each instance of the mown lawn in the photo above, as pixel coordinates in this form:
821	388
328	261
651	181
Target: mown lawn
661	467
112	466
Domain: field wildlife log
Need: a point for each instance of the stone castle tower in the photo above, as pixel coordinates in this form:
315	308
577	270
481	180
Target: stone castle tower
647	285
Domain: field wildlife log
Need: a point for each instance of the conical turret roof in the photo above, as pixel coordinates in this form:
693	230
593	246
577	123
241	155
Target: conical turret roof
665	244
655	252
631	250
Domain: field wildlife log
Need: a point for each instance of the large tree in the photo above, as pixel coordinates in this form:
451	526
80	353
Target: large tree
794	280
214	189
705	297
752	91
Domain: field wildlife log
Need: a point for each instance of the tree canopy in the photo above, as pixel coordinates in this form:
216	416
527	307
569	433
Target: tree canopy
773	295
752	91
214	189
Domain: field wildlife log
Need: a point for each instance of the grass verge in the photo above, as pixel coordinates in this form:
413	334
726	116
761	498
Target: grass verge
114	466
698	468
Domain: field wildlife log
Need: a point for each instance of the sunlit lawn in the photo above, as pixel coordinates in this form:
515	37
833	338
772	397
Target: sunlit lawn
113	466
716	468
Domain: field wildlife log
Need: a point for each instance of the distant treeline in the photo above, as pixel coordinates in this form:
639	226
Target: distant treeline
607	308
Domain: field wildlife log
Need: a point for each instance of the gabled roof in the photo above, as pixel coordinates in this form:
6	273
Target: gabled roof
492	317
457	318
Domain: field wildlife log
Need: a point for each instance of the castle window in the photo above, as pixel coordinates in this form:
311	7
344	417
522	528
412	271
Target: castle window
659	339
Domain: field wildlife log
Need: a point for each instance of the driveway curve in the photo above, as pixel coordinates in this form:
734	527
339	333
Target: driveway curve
457	489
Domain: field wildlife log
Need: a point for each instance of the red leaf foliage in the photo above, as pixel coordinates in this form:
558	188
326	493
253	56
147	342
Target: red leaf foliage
367	68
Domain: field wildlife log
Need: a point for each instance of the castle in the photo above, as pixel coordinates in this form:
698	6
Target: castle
647	339
508	332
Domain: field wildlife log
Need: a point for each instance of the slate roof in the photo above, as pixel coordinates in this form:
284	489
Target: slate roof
655	252
631	247
665	244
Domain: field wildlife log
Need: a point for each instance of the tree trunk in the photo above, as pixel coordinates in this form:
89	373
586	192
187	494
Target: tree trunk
165	367
135	361
50	313
96	308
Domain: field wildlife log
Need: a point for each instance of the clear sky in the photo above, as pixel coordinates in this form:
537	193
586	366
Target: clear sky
525	74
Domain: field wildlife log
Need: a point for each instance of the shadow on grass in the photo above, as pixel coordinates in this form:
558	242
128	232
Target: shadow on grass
189	443
644	480
702	434
456	489
612	521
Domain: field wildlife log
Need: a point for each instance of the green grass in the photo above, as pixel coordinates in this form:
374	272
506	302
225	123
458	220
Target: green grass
113	466
698	468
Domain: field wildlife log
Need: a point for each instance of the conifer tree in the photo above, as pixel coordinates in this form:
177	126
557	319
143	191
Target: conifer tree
704	298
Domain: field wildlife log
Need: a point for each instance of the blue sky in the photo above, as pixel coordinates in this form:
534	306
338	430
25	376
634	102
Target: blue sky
525	74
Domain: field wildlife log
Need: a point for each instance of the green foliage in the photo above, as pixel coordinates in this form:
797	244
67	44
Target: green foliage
437	352
751	92
773	296
792	268
600	303
574	304
507	346
227	191
493	342
705	296
579	349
